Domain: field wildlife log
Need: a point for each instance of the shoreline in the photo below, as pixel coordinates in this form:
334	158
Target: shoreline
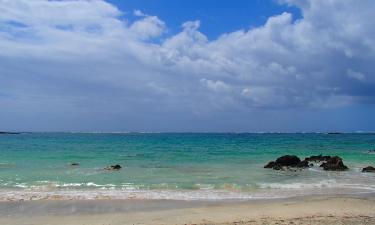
204	195
301	210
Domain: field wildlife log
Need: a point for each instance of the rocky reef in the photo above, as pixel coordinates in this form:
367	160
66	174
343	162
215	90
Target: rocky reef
332	163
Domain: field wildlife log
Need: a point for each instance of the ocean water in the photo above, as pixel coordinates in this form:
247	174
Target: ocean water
189	166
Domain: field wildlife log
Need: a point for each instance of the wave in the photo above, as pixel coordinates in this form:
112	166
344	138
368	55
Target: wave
12	195
326	184
90	191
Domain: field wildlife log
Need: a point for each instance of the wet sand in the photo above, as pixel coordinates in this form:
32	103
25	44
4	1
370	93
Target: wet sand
309	210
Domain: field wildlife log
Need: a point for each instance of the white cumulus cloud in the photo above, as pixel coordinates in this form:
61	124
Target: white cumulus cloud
85	54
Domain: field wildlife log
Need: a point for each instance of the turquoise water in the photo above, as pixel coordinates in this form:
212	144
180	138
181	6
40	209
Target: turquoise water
177	166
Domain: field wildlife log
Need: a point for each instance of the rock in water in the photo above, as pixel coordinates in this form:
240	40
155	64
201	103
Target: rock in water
334	164
369	169
303	164
317	158
288	160
270	165
74	164
116	167
113	167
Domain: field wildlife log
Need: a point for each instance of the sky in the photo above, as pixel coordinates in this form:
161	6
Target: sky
187	66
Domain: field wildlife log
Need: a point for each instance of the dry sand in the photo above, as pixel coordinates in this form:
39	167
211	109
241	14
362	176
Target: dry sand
318	210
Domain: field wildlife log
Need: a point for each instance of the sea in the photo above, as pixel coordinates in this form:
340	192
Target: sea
178	166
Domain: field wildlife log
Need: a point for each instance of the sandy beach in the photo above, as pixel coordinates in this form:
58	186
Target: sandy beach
312	210
181	112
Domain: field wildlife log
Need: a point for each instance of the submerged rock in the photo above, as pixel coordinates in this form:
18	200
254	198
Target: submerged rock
368	169
334	164
74	164
113	167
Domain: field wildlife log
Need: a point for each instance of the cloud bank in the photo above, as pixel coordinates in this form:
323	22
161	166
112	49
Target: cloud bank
85	58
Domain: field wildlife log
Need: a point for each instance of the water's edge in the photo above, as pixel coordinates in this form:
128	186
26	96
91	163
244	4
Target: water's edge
89	207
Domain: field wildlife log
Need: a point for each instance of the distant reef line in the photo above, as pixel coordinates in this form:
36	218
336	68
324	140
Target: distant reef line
7	132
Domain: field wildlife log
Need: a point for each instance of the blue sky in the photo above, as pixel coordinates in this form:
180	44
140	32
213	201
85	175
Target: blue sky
194	66
216	16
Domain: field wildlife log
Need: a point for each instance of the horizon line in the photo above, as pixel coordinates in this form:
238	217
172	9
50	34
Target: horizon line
192	132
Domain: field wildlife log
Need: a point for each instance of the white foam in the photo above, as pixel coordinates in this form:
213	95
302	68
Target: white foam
130	194
345	183
267	191
324	184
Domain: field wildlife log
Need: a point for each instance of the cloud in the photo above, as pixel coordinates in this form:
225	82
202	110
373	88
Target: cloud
217	86
138	12
86	56
148	27
356	75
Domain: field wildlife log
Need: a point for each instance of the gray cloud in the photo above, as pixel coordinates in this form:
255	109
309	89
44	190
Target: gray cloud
82	59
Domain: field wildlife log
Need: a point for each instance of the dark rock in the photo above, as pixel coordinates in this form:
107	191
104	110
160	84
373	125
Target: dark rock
74	164
270	165
113	167
369	169
303	164
314	158
278	167
334	164
288	160
317	158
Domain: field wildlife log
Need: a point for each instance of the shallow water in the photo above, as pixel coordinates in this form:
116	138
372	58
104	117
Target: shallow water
177	166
